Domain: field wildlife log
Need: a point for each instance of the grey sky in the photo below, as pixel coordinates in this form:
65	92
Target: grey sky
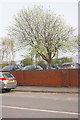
69	10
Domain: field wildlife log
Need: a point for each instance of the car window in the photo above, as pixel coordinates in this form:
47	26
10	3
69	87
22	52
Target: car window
31	68
77	65
7	75
25	68
67	65
16	67
38	68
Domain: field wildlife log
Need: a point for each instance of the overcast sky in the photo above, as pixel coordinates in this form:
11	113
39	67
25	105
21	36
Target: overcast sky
8	8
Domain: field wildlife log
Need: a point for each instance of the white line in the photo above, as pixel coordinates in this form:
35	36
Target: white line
41	110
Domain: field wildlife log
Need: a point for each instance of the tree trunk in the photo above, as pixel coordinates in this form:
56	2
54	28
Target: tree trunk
49	64
49	60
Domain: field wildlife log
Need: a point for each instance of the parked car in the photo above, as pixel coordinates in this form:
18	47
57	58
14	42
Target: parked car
11	68
70	66
32	68
45	67
7	81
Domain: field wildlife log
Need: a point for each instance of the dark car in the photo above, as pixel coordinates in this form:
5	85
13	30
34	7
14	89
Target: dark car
70	66
45	67
10	68
7	81
32	68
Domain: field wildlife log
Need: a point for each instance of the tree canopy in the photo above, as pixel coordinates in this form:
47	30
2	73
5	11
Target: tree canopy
43	30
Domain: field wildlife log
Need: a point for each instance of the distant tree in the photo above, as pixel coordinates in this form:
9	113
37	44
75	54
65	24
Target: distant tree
43	30
7	49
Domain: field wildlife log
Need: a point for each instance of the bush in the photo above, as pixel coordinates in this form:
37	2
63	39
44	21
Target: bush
58	62
42	64
26	61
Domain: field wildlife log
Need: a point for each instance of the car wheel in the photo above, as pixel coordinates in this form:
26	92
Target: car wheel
8	90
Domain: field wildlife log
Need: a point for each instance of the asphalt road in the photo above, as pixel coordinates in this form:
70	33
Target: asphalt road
39	105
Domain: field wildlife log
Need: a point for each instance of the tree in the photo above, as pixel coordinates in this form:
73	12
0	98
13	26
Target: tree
42	30
7	49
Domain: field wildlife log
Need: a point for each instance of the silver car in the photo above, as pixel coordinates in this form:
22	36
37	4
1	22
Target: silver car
7	81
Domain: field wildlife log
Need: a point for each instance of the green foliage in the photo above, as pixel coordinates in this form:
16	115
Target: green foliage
56	62
27	61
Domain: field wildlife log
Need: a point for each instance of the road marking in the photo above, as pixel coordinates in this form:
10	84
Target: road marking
41	110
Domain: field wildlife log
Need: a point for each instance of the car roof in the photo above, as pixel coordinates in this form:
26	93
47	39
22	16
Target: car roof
69	63
31	66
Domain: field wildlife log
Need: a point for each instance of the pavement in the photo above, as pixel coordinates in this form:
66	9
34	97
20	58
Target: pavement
47	89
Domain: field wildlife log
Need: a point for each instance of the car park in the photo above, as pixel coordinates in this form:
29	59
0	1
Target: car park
7	81
70	66
32	68
11	68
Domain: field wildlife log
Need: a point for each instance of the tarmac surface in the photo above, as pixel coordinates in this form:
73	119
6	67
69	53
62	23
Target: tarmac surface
47	89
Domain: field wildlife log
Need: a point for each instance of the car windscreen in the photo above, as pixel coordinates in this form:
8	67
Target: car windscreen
66	65
7	75
7	68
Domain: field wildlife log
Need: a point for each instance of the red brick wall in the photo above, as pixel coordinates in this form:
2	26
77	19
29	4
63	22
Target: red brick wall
53	78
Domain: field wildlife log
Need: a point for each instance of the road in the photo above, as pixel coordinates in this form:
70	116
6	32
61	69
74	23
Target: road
39	105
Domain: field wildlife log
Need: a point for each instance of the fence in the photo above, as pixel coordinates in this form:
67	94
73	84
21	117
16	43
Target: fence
53	78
